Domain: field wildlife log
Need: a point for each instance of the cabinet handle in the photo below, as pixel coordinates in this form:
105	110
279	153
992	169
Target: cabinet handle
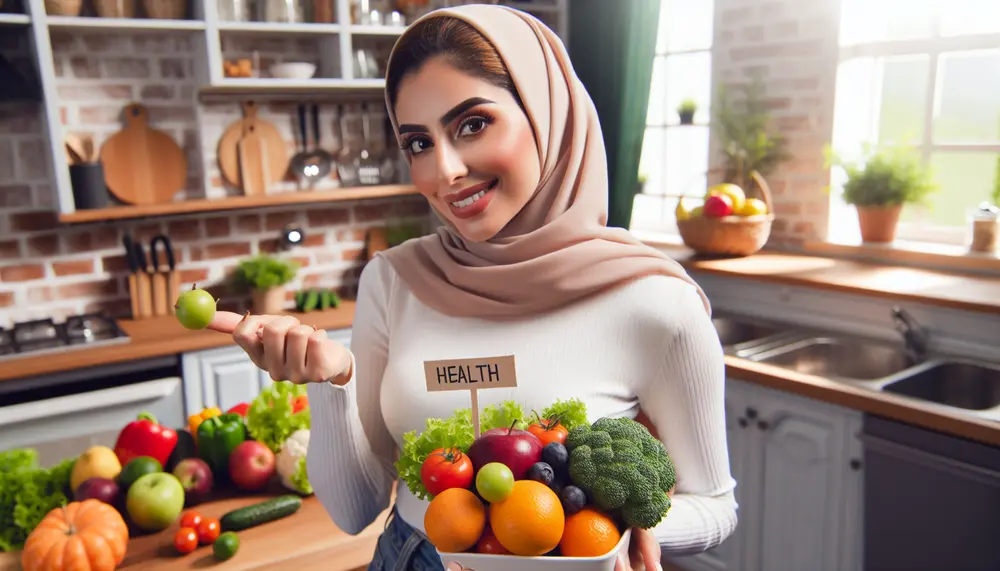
855	464
763	424
751	413
742	422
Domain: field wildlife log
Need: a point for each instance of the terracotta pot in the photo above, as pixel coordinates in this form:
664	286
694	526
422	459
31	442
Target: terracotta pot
269	301
878	223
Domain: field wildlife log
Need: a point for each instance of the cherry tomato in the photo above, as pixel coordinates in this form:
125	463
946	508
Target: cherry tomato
489	543
208	530
446	468
549	430
300	402
190	519
186	540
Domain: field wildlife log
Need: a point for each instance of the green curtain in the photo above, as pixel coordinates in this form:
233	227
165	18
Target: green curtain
612	45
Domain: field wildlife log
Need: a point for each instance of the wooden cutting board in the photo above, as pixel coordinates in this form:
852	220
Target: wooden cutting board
270	141
143	165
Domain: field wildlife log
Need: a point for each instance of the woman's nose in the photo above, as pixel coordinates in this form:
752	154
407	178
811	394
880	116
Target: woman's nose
450	165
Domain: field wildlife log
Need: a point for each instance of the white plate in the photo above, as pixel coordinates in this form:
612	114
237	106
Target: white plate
485	562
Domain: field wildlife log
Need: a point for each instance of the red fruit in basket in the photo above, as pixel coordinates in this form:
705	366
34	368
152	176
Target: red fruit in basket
717	206
446	468
489	543
517	449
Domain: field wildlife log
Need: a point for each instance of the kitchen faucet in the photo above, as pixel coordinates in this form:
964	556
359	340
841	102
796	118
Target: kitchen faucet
914	336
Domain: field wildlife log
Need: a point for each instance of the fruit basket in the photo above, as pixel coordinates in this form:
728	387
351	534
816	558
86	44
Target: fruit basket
488	562
725	229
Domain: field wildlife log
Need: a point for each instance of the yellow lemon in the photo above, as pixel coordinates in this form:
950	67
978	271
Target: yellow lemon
680	213
752	207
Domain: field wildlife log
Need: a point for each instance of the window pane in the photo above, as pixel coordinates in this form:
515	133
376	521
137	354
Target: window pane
965	179
652	159
863	21
655	110
689	75
687	160
854	108
970	17
968	98
904	97
648	212
685	25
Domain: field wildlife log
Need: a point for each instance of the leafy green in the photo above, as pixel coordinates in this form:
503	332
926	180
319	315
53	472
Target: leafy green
889	175
504	415
269	417
300	480
571	413
262	272
27	493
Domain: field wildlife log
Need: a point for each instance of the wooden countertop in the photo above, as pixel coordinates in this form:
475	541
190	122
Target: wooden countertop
154	337
932	287
307	541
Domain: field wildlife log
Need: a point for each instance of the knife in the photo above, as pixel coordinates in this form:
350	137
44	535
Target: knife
163	276
133	267
142	280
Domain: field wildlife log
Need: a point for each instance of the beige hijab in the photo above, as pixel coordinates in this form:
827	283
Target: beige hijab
558	248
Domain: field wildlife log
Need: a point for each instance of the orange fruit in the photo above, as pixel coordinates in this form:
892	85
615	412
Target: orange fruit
454	520
530	521
589	533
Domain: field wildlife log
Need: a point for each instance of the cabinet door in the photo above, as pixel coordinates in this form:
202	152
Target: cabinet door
221	377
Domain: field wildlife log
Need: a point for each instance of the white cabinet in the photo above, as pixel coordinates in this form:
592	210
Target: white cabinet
225	377
796	462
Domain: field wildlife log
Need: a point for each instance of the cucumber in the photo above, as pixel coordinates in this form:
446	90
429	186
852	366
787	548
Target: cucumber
259	513
312	299
324	299
300	299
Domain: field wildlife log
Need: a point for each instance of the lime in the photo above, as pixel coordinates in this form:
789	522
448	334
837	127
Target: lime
195	308
137	468
494	482
226	545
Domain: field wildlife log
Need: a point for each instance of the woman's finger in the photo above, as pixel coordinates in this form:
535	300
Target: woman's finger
273	337
296	342
649	550
225	322
245	335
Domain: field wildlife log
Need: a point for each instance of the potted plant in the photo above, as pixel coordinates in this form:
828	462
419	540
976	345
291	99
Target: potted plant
747	143
266	277
685	111
880	184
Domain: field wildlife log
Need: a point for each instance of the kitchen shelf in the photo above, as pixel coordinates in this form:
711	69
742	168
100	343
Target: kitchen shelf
125	24
279	28
14	19
238	202
359	30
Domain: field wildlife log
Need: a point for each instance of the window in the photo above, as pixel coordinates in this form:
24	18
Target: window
926	72
674	156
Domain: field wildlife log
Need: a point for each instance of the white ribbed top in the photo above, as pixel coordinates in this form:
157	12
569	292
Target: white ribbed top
649	342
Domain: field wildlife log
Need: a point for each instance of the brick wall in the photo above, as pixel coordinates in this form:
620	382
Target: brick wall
794	46
53	270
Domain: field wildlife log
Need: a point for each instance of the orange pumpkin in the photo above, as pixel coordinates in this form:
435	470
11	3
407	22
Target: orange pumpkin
86	536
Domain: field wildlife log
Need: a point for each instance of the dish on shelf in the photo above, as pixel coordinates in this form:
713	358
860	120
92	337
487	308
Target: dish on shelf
293	70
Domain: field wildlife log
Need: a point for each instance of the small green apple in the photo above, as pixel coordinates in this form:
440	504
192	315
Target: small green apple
155	501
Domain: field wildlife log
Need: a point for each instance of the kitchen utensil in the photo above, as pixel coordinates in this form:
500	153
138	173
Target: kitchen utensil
275	151
165	280
253	159
346	172
143	165
74	146
143	280
133	271
368	167
310	165
324	161
293	70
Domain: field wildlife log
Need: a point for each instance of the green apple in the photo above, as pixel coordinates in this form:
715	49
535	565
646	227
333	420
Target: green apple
155	501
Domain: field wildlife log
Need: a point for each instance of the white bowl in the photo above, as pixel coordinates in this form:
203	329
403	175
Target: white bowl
293	70
486	562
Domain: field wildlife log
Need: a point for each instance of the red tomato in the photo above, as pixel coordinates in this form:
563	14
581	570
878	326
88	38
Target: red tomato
191	519
489	543
300	402
208	530
549	431
186	540
446	468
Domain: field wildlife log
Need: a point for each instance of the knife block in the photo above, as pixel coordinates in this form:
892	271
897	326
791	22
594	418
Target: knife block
153	293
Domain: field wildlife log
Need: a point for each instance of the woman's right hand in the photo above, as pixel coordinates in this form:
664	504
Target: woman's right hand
285	348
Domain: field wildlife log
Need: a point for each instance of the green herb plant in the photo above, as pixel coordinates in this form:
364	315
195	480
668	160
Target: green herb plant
264	272
888	175
743	127
687	106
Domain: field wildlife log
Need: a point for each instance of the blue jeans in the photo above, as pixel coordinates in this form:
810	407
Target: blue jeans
401	547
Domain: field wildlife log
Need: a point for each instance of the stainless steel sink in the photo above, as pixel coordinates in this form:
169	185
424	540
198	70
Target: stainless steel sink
849	360
739	335
959	384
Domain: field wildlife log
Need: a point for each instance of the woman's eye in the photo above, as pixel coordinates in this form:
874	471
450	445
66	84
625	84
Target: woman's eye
416	146
472	126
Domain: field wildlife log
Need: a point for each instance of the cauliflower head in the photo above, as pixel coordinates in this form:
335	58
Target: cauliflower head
291	462
623	469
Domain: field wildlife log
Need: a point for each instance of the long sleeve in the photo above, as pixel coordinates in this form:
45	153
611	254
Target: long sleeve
351	453
686	404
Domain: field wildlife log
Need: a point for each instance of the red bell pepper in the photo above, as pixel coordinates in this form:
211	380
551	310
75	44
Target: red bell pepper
240	409
145	437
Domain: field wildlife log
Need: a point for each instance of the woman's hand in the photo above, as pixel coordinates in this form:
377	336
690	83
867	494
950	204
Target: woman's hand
285	348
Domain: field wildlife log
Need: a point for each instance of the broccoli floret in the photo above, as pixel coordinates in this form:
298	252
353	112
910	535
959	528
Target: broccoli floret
623	469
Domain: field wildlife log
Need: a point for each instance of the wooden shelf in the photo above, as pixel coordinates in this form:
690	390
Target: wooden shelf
278	28
358	30
282	89
125	24
237	203
14	19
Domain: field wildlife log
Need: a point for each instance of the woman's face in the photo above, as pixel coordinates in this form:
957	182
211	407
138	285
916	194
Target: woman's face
472	151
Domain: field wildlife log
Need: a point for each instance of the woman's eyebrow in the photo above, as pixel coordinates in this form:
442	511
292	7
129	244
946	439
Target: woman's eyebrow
447	117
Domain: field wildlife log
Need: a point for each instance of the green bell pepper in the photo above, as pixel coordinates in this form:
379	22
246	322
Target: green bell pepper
217	437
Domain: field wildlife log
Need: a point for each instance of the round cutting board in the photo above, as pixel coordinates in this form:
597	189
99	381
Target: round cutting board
274	145
143	165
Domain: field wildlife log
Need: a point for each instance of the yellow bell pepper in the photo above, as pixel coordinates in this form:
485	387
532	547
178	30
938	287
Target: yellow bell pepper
196	419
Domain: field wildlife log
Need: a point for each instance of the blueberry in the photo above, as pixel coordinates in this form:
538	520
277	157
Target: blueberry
541	472
555	455
557	486
573	499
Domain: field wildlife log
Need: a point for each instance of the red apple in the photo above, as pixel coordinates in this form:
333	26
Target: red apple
517	449
251	465
717	206
103	489
196	478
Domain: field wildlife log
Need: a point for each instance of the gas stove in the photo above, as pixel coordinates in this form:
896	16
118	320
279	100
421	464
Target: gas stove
46	336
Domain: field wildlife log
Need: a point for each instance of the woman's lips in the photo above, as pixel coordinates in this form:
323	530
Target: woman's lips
473	201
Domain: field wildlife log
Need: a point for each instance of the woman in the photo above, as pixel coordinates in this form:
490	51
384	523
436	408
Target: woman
504	143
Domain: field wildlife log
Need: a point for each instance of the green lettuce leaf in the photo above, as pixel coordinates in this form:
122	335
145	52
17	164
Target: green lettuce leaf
269	417
571	413
28	493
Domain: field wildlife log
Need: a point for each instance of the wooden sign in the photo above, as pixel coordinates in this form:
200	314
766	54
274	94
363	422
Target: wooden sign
471	375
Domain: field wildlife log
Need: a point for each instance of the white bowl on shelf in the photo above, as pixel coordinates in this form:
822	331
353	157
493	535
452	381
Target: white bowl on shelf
485	562
293	70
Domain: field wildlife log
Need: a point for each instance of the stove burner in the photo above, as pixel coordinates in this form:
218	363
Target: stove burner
47	335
